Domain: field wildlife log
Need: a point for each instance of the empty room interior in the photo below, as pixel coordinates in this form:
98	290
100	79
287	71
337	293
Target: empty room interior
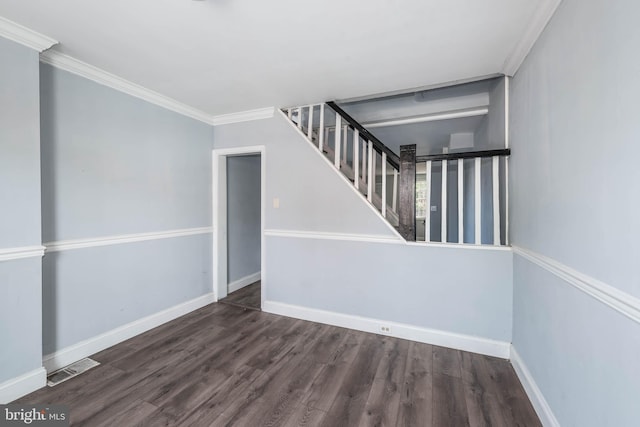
244	213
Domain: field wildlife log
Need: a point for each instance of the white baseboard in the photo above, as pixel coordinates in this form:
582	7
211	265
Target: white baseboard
20	386
86	348
398	330
533	392
245	281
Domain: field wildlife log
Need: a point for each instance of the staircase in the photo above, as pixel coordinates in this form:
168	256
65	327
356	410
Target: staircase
474	183
364	160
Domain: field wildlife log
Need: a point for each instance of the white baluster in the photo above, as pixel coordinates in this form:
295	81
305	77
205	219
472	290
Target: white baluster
356	158
506	200
338	140
364	160
427	221
478	201
310	130
290	113
321	128
374	160
496	199
384	184
370	177
394	197
460	200
443	208
345	129
299	109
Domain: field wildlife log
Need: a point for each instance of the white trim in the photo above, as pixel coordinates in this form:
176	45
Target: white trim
244	281
373	238
86	348
620	301
470	246
25	36
343	177
219	208
243	116
323	235
399	330
542	15
66	245
9	254
534	393
15	388
448	115
75	66
88	71
507	144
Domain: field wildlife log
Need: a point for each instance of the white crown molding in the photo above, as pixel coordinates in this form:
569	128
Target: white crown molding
9	254
75	66
539	21
244	281
88	71
86	348
547	418
23	35
323	235
243	116
20	386
67	245
398	330
620	301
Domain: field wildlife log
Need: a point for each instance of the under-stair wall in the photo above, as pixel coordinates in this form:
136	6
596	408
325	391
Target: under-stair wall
331	257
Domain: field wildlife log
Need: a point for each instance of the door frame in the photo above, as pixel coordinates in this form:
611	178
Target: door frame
219	220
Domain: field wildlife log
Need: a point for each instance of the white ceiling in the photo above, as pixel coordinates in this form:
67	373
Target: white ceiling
223	56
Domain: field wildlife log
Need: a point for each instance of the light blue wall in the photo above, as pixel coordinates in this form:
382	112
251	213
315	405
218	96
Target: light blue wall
20	280
19	146
574	198
575	137
20	317
312	196
94	290
582	354
416	285
243	216
113	164
491	132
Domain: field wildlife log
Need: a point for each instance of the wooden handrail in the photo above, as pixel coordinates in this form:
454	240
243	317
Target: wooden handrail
365	134
465	155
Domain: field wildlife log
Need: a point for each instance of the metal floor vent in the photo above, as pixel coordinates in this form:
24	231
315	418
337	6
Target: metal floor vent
68	372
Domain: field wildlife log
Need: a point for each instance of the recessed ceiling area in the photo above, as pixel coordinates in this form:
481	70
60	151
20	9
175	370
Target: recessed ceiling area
223	56
465	117
431	137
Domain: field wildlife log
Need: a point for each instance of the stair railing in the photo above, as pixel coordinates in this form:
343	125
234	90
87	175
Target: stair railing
388	181
371	166
492	219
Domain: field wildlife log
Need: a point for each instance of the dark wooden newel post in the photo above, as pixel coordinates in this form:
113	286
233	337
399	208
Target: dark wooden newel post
407	205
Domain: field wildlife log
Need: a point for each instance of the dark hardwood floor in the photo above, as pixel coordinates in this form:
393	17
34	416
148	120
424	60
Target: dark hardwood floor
226	366
247	297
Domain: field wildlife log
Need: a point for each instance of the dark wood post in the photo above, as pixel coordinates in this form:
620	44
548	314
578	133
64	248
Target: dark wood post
407	202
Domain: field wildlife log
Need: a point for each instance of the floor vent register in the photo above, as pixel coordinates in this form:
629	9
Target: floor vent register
68	372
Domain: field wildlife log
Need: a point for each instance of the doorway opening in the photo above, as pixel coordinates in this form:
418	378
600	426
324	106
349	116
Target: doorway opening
238	226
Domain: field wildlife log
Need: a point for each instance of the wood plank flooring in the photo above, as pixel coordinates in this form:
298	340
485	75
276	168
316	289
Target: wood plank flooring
247	297
226	366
